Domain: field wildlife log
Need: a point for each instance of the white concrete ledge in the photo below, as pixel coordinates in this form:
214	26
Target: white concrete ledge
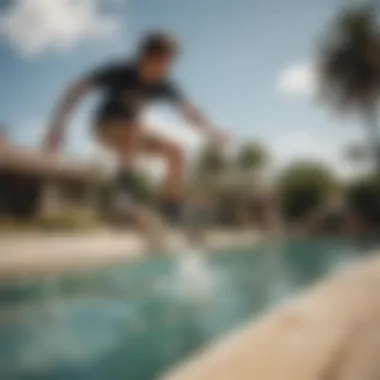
32	255
332	332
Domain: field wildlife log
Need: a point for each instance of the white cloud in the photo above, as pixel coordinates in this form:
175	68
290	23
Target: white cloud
301	145
299	79
34	26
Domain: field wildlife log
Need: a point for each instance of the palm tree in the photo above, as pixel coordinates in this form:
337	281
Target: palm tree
251	160
350	69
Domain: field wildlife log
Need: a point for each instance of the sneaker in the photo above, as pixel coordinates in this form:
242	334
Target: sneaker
125	197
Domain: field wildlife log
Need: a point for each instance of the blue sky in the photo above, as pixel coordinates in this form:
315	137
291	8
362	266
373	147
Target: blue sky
247	63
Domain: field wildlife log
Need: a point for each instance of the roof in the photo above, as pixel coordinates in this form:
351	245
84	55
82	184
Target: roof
29	161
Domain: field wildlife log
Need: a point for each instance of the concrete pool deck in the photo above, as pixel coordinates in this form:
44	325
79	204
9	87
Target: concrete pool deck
36	254
331	332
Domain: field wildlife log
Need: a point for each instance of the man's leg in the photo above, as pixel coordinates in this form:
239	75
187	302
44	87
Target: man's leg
125	141
129	140
174	183
122	139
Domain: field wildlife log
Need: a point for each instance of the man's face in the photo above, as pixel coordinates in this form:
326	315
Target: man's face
156	67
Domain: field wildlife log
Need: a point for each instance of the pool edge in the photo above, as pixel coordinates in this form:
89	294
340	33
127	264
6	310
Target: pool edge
311	338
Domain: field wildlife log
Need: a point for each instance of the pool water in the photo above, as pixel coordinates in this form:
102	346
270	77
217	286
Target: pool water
135	322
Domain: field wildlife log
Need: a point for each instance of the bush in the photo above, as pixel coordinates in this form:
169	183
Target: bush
65	221
68	221
8	225
303	188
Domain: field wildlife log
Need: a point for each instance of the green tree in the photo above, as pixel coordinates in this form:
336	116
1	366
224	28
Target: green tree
209	170
231	183
252	157
303	188
250	162
212	162
350	69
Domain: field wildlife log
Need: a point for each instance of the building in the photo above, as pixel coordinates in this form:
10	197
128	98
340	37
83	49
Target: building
34	183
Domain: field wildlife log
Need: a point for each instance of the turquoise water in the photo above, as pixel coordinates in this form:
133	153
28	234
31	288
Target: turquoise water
135	322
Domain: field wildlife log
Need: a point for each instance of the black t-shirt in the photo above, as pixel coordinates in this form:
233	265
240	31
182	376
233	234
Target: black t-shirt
125	94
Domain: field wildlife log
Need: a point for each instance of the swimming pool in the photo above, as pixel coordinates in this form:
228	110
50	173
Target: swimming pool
134	322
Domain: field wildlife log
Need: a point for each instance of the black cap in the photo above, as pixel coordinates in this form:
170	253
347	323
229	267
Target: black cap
159	44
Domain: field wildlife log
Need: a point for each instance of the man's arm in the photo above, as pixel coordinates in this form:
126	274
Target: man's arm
199	120
73	95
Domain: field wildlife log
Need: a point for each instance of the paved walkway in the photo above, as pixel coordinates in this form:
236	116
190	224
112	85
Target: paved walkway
330	333
40	254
